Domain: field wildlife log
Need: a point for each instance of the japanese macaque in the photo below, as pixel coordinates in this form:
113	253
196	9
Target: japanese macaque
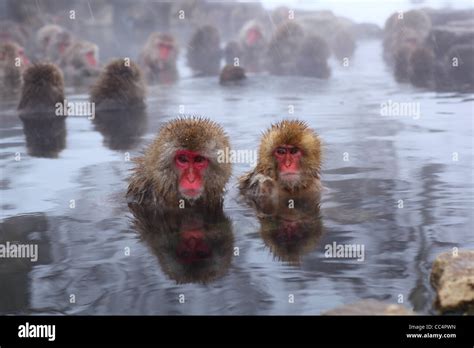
411	27
204	51
289	162
191	247
252	43
43	87
119	86
291	228
312	58
280	15
13	63
158	58
281	57
80	62
52	42
402	48
183	166
231	74
422	64
11	31
45	134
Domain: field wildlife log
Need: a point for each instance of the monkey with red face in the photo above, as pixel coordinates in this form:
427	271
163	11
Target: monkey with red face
289	162
80	62
13	63
158	58
181	168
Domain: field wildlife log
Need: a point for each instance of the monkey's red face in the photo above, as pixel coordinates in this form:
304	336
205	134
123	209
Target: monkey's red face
191	168
90	58
288	159
253	36
165	50
24	59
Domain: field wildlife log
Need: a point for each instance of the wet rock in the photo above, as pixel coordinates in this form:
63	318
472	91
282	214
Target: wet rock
453	278
370	307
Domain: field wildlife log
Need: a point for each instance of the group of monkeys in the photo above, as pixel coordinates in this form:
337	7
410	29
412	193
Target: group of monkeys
291	50
432	48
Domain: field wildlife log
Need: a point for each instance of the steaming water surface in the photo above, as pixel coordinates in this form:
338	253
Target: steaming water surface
371	162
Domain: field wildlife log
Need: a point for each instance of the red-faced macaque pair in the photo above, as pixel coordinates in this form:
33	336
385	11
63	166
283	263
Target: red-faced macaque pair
158	58
183	166
79	59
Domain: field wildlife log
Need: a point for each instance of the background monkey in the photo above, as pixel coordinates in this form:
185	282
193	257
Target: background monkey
120	86
43	87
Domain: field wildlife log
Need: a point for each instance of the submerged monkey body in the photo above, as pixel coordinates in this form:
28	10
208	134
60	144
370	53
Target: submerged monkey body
289	161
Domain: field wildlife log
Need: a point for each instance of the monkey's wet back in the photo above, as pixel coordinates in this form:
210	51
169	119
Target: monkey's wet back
398	191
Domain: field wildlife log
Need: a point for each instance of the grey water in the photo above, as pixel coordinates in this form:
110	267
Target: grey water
400	185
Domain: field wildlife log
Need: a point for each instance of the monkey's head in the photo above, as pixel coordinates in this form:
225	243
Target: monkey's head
124	69
61	42
85	53
253	35
43	84
290	152
46	34
9	51
206	37
186	159
43	75
162	48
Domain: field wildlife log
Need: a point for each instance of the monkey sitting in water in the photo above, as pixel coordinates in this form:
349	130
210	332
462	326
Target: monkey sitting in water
80	62
289	163
43	87
158	58
13	63
120	86
181	168
204	51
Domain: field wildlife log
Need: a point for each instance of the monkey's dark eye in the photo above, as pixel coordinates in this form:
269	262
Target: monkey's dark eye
182	159
281	150
294	150
199	159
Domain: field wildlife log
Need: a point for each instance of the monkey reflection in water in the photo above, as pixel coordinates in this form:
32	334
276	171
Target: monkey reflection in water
119	97
290	228
191	246
42	89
